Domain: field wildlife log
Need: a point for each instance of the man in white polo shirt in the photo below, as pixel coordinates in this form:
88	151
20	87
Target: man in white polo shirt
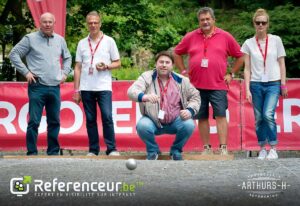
96	56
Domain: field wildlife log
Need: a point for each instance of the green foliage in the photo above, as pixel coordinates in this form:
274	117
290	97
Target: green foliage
70	78
151	25
284	22
6	33
126	62
128	73
165	37
7	71
251	5
135	23
14	21
160	25
127	70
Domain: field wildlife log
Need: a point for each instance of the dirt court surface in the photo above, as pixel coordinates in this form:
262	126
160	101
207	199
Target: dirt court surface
198	180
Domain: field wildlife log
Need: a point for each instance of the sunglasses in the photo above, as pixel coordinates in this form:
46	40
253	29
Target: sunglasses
261	23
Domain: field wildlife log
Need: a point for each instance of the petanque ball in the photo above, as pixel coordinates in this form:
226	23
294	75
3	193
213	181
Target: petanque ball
131	164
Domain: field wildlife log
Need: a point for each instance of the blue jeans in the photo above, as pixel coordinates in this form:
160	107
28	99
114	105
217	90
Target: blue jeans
104	100
147	130
41	96
265	96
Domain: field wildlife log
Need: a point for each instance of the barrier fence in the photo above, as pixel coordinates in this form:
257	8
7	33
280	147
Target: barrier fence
73	135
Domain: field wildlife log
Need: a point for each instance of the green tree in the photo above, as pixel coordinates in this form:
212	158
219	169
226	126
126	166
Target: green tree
14	20
266	4
149	26
284	22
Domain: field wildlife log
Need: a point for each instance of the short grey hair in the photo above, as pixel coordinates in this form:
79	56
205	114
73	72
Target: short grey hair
205	10
93	13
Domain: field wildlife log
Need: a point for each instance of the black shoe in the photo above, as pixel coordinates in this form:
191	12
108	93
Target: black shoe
152	156
32	153
176	156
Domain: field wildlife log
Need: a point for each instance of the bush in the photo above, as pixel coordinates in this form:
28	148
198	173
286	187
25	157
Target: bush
7	71
127	73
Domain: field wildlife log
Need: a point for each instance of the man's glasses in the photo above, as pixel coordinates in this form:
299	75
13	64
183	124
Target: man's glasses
93	23
261	23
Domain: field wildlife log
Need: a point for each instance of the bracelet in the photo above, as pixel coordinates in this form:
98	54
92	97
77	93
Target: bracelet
231	74
283	87
76	91
183	72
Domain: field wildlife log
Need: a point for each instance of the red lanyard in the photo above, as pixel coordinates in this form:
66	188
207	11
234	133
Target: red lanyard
163	90
93	52
205	44
264	55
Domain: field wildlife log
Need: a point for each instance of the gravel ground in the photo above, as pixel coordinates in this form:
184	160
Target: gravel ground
242	181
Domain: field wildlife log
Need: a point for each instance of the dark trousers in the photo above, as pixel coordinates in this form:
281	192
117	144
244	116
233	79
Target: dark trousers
90	100
41	96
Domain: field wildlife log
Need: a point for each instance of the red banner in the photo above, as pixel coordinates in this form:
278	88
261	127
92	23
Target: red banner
56	7
73	135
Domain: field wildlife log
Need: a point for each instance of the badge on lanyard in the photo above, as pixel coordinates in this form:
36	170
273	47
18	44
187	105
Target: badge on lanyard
204	63
161	114
163	92
264	77
91	70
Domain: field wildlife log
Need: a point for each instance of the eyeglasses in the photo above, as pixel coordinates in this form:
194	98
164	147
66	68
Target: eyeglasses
93	23
261	23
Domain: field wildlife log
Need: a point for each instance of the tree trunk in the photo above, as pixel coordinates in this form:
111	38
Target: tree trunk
15	7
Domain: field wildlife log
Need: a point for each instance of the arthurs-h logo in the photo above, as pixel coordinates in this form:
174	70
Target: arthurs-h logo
20	186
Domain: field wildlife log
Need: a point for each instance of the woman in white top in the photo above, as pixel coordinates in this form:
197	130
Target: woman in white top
265	79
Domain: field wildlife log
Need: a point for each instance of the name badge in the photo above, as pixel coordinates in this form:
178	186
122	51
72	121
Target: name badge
161	114
91	70
264	78
204	63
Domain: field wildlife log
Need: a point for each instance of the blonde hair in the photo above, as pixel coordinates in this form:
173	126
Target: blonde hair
260	12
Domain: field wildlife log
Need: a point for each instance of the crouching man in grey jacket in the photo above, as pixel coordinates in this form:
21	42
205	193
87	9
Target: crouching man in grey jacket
168	101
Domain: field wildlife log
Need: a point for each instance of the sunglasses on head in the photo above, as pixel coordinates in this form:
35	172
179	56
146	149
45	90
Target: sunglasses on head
261	23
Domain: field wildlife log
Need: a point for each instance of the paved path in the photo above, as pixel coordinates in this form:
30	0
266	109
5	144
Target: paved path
163	182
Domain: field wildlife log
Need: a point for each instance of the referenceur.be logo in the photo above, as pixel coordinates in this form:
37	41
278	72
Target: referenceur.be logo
20	186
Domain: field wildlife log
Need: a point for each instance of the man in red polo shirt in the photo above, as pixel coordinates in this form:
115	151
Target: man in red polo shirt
208	49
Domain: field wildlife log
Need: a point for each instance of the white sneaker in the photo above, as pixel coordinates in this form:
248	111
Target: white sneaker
272	155
114	153
90	154
262	154
207	150
223	150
